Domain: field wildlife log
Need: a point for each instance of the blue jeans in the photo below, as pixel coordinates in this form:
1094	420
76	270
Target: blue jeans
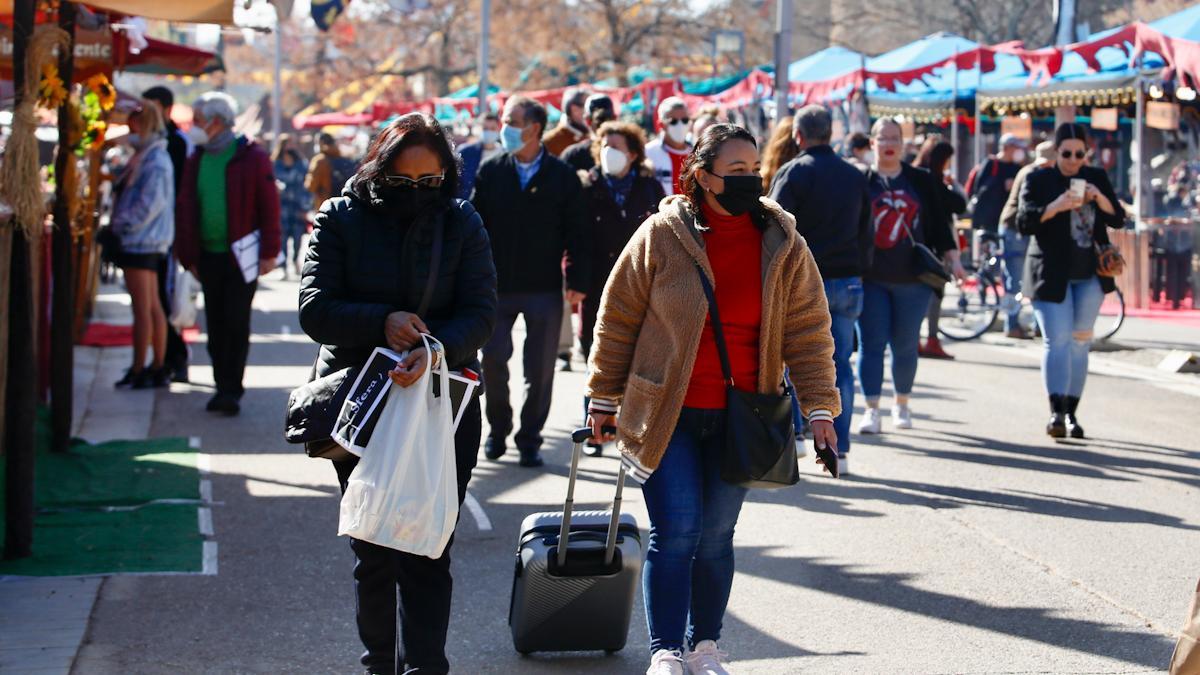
891	316
1014	267
1067	334
689	557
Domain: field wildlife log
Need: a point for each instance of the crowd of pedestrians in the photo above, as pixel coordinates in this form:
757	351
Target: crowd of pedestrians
631	237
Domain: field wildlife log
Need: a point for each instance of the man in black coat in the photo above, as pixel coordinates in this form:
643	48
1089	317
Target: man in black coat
831	203
176	359
532	206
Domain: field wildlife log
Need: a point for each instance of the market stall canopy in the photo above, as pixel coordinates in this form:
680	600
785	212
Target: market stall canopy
188	11
164	58
832	72
1184	25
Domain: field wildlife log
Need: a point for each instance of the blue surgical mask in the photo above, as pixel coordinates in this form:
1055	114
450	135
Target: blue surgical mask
510	138
490	136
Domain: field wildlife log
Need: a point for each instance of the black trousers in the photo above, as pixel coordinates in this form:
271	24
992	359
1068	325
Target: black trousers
177	351
227	299
424	585
588	310
543	314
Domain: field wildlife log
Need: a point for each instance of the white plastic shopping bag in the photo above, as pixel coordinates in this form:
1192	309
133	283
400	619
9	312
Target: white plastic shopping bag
183	308
404	492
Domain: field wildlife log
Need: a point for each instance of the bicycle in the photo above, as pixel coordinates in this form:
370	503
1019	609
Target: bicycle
970	307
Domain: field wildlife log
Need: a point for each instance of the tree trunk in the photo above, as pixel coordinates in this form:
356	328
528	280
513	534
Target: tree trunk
62	327
21	394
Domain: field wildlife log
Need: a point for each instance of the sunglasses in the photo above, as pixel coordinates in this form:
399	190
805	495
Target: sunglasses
1079	154
684	120
430	182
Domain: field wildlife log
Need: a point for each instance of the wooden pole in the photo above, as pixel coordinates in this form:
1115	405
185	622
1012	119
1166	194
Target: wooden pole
21	404
62	327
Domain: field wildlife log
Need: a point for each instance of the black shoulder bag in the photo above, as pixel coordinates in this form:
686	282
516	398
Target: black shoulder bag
313	409
759	435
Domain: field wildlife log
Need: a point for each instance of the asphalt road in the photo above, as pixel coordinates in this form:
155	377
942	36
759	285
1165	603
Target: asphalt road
971	544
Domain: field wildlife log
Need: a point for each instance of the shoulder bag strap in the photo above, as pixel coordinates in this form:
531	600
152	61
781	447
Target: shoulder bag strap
435	263
718	332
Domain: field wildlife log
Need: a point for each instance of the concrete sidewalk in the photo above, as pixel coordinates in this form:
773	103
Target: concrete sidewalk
43	620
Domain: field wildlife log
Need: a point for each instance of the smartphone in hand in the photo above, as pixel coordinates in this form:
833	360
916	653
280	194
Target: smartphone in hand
828	457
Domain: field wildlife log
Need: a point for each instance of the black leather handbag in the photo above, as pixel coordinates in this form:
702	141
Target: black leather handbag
759	434
928	269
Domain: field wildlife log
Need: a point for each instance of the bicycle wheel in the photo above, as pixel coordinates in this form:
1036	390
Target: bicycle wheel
969	309
1112	315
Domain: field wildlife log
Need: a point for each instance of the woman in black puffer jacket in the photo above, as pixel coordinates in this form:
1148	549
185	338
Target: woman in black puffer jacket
365	276
621	192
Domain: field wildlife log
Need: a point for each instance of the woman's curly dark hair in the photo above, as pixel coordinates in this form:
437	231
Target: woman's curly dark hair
703	155
405	132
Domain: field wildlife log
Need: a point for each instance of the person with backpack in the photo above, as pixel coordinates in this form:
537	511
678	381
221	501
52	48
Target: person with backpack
328	171
988	188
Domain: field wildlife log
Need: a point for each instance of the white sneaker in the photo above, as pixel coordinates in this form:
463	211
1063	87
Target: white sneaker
666	662
706	659
871	422
901	417
843	466
801	447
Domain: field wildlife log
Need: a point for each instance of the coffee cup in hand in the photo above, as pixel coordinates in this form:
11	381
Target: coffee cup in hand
1078	189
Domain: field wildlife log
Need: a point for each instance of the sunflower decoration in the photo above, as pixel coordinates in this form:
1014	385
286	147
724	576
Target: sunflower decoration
52	93
106	93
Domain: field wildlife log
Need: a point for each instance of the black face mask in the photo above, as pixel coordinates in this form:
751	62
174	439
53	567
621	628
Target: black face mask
406	203
741	194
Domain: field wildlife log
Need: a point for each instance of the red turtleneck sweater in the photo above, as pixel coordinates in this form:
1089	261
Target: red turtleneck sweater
734	248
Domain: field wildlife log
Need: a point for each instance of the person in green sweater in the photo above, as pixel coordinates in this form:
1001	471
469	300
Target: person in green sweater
228	234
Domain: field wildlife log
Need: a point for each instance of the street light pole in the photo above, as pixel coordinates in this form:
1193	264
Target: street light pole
277	89
485	33
783	51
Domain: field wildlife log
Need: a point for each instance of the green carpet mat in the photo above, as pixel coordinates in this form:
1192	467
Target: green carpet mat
122	506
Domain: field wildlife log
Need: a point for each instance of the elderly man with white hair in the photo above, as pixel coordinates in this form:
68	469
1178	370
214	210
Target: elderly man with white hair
227	234
667	152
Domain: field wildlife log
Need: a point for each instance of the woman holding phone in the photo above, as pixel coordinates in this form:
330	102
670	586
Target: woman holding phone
1065	209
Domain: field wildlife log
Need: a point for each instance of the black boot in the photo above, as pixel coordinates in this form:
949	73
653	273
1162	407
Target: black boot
1071	403
1057	427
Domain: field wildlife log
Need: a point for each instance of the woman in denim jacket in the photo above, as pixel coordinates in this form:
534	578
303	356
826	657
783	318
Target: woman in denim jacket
144	220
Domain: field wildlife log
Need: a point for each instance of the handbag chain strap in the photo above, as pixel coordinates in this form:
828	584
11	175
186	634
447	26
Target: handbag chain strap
718	332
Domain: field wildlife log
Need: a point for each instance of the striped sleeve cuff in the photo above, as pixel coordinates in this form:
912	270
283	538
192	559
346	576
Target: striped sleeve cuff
603	406
820	415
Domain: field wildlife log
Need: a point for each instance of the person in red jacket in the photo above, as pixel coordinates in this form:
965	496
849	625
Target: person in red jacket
227	234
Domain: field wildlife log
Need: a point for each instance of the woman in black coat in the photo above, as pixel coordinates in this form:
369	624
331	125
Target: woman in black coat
1066	227
366	274
620	192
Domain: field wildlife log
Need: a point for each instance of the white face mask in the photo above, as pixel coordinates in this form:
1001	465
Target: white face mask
1019	156
869	158
677	132
199	136
613	161
489	136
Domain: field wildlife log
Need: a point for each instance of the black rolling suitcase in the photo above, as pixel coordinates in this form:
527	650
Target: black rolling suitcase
577	598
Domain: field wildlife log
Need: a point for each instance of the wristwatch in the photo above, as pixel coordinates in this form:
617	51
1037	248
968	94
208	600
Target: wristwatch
435	351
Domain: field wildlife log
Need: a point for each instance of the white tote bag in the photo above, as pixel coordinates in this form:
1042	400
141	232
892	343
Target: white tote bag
404	492
183	308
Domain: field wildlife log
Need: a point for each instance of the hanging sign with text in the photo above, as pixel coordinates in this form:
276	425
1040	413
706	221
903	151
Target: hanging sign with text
1105	119
1162	115
1019	126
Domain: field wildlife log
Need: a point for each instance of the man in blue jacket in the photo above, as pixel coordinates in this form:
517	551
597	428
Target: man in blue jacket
532	205
475	154
831	203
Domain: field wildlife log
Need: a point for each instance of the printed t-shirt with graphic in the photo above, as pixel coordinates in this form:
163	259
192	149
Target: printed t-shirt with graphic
1083	253
896	218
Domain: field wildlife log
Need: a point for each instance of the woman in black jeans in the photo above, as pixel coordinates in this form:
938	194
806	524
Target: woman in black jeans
365	275
621	193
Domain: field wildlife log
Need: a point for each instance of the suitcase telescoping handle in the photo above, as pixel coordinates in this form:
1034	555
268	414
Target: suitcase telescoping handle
580	437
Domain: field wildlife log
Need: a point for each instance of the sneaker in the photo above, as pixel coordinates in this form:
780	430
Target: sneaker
226	404
901	417
801	446
593	450
843	466
1018	334
564	362
666	662
706	659
872	422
